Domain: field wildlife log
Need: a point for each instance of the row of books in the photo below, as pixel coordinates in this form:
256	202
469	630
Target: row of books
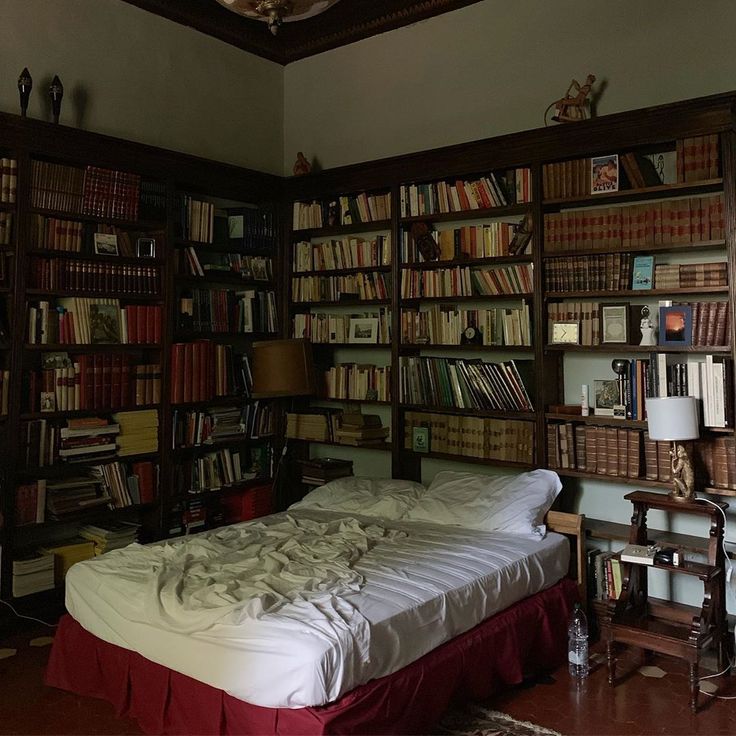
193	428
443	325
334	425
51	274
8	180
248	228
6	228
466	384
197	219
345	210
665	222
358	381
202	370
336	328
222	469
256	268
331	255
566	179
96	381
93	321
688	275
129	487
33	572
110	193
226	310
465	281
112	534
503	440
365	286
138	432
321	470
470	241
85	440
698	158
606	578
605	272
494	190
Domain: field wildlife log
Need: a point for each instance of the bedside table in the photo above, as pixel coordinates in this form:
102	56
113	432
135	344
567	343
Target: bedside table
663	626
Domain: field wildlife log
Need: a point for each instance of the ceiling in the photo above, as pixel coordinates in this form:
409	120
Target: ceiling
343	23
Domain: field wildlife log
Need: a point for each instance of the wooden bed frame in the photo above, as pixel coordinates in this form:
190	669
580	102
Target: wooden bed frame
573	527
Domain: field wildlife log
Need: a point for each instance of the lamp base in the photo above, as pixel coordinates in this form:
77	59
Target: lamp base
675	495
683	476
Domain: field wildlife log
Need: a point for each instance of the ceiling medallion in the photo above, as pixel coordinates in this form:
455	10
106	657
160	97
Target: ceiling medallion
276	12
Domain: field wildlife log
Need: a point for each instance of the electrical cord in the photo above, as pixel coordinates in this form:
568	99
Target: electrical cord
30	618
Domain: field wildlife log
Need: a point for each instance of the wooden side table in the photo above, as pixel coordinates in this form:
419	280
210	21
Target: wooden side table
663	626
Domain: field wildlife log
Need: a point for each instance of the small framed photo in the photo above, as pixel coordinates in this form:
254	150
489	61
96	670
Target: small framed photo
420	439
363	330
106	244
642	277
607	397
145	248
604	174
614	323
676	325
565	333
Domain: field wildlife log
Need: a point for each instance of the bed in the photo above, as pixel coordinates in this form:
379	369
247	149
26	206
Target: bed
363	609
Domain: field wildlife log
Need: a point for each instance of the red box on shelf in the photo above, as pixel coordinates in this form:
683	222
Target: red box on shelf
247	504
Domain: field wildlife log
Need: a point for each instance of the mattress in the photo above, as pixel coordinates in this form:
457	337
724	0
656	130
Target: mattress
415	586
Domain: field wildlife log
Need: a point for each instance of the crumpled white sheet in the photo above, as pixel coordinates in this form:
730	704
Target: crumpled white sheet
295	567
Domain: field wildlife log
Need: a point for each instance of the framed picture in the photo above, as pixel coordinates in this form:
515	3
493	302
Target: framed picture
642	328
614	323
145	248
106	244
606	396
363	330
604	174
420	439
676	325
104	324
565	333
642	277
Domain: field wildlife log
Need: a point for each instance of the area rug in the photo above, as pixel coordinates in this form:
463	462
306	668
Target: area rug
477	721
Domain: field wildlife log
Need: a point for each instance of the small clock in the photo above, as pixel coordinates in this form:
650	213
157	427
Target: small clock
565	333
471	336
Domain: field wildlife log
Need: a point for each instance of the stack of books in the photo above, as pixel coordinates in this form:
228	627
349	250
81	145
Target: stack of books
110	535
30	503
361	430
67	553
315	425
89	438
33	573
321	470
138	432
72	495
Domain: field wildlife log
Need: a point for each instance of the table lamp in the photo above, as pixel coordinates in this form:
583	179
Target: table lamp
282	369
675	419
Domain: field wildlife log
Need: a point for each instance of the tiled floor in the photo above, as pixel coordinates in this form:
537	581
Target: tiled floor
638	705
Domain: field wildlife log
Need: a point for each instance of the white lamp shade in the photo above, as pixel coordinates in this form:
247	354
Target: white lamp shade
673	418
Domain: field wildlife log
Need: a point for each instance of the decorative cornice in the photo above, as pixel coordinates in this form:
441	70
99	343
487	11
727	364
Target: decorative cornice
344	23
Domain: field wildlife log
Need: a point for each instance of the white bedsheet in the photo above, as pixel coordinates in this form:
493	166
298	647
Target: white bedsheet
383	601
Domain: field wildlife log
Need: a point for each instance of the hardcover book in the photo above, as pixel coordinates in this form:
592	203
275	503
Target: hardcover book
641	554
642	277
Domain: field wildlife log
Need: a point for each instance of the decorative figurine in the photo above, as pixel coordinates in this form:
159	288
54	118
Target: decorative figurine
427	246
572	107
25	85
646	326
333	214
683	476
301	166
56	92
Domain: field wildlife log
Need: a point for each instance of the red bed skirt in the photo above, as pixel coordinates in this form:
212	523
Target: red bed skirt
528	636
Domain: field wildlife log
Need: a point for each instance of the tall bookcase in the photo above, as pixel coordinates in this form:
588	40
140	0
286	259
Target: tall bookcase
71	185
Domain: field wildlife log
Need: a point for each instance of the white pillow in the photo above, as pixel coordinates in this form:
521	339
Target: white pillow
384	497
507	503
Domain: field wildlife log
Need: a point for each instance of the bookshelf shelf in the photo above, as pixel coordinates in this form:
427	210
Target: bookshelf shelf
656	192
479	214
351	345
654	248
183	335
498	414
637	292
216	401
97	257
90	348
302	306
64	470
597	420
73	414
125	224
122	295
411	348
467	459
472	298
223	277
490	261
342	271
386	447
84	517
224	490
8	206
375	226
215	446
352	401
615	348
223	248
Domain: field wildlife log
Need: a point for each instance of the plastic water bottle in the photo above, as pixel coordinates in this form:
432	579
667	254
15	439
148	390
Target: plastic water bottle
577	644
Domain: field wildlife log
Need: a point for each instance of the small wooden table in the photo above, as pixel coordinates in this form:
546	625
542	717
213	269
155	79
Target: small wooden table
664	626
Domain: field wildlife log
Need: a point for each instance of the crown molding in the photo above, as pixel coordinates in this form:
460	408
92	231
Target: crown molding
344	23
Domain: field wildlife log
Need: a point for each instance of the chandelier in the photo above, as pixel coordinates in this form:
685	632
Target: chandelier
276	12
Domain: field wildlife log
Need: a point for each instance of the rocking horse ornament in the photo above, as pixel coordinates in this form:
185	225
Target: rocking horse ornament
572	106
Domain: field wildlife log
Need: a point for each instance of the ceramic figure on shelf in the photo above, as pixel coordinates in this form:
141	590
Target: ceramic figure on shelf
56	93
683	476
301	165
25	85
646	326
573	106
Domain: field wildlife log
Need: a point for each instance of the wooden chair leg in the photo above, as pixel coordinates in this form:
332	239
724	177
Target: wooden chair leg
694	686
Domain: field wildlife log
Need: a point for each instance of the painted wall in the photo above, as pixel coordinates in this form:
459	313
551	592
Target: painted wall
493	67
132	74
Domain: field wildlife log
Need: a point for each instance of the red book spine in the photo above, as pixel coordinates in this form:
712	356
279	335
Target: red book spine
115	380
187	370
125	391
106	398
157	325
97	381
197	372
177	373
140	327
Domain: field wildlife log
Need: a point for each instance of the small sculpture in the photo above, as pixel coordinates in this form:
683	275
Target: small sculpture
301	166
682	474
427	246
572	107
56	92
25	85
333	214
646	327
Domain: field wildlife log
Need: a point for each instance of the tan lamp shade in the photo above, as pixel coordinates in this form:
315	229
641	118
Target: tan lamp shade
283	368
